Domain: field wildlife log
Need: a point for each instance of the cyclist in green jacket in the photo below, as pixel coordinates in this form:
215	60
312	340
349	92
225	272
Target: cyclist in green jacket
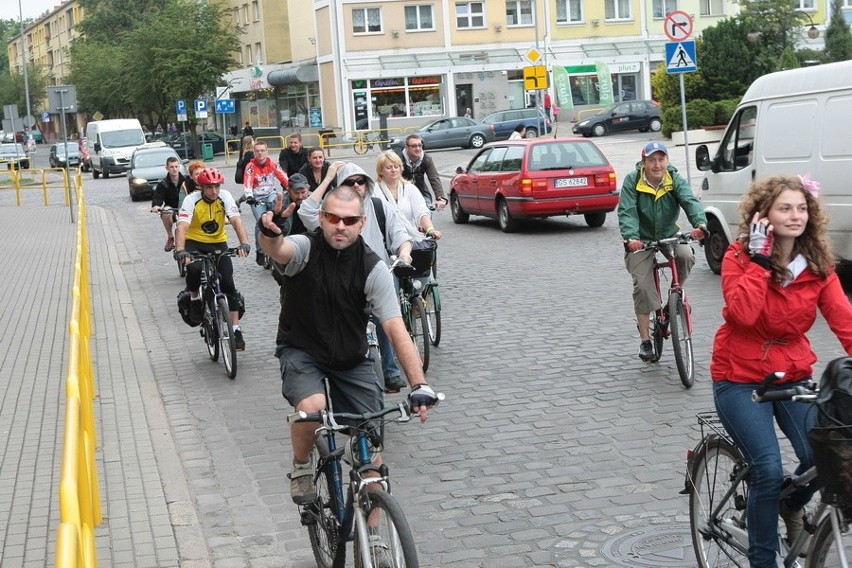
651	199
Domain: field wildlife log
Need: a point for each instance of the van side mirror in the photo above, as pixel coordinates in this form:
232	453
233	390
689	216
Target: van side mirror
702	158
97	147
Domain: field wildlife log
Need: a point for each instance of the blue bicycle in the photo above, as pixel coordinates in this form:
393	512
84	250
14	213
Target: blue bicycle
368	514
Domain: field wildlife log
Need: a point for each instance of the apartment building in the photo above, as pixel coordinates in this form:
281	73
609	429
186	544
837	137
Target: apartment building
47	42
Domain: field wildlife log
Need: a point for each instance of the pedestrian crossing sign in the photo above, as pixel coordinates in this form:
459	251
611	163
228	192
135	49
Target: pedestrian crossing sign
680	57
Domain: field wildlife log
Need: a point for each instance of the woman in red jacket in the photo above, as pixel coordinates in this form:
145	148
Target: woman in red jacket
773	279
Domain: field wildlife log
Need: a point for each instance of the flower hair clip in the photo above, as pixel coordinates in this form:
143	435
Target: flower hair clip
811	185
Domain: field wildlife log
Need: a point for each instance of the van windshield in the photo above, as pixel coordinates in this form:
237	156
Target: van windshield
122	138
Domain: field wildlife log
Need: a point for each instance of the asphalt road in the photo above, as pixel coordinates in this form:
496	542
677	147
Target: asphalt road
556	445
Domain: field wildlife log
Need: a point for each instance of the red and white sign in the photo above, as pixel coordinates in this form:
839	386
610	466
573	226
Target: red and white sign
678	25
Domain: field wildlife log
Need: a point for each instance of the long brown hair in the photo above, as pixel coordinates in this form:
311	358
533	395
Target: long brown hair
811	244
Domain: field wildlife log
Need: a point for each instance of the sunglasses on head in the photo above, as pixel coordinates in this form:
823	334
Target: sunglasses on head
335	219
353	181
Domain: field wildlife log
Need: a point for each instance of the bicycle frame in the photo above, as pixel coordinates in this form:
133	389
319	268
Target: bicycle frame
670	262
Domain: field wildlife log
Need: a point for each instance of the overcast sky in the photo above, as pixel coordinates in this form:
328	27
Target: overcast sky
30	8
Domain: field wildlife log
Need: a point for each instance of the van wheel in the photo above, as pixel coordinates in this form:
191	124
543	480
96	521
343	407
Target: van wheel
715	245
106	174
656	125
95	173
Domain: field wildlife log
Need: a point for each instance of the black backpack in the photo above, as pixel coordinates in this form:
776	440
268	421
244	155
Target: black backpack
183	300
834	404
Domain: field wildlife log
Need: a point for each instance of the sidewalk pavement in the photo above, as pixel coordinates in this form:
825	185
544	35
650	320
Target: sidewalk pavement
148	515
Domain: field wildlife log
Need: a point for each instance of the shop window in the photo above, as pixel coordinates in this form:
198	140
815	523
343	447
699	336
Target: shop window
569	11
663	7
470	15
366	20
617	9
419	18
519	13
425	101
711	8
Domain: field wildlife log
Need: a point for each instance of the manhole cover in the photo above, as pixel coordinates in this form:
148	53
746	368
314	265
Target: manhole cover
656	547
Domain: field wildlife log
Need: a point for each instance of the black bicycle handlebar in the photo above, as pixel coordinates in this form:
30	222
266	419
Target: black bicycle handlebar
798	393
198	255
681	238
323	416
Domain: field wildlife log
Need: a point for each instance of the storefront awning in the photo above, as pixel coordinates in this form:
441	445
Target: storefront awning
293	76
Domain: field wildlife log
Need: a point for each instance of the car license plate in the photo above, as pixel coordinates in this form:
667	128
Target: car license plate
570	182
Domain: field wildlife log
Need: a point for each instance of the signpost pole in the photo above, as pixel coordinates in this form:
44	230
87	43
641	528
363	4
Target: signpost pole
685	126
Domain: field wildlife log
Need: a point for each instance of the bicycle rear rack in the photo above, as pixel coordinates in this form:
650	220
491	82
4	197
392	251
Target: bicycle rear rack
710	421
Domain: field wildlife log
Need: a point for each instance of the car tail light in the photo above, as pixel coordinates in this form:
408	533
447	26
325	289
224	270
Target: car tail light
528	185
606	179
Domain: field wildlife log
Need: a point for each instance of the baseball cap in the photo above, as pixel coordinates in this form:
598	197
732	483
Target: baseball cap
652	147
298	181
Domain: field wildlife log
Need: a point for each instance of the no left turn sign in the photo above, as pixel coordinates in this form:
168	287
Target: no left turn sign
678	25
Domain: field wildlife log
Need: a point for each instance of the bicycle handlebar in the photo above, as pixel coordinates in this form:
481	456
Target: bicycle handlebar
197	255
165	209
680	238
798	393
329	419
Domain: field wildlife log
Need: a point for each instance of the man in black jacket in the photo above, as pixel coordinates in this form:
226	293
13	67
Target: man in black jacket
166	194
294	156
334	280
417	167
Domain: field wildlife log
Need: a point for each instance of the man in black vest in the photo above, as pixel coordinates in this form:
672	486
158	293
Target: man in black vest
333	282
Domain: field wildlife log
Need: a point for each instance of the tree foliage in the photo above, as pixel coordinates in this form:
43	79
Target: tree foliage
729	62
838	38
166	50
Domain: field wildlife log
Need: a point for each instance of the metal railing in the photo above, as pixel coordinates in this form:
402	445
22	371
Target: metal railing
79	496
29	179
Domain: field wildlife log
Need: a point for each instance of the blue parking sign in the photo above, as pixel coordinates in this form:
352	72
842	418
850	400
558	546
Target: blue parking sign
180	106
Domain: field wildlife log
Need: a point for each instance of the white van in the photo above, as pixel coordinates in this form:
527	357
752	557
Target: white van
791	122
111	143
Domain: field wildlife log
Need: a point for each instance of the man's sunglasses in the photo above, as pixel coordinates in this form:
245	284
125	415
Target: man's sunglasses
335	219
352	181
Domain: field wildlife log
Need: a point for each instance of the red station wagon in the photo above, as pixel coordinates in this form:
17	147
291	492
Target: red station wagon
542	177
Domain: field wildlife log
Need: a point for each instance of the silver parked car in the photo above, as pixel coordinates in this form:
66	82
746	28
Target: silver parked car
454	132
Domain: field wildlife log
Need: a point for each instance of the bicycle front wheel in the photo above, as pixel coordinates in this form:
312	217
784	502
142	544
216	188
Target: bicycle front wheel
432	304
361	147
226	337
825	551
419	329
389	542
681	339
321	517
714	468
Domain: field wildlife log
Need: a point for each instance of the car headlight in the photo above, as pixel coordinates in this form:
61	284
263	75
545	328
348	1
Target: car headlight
139	181
584	123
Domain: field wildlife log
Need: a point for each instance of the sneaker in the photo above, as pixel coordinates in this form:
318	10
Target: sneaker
260	258
379	552
646	351
196	310
394	384
302	490
170	244
238	339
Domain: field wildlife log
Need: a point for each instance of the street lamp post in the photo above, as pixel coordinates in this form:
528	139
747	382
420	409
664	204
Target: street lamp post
24	62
